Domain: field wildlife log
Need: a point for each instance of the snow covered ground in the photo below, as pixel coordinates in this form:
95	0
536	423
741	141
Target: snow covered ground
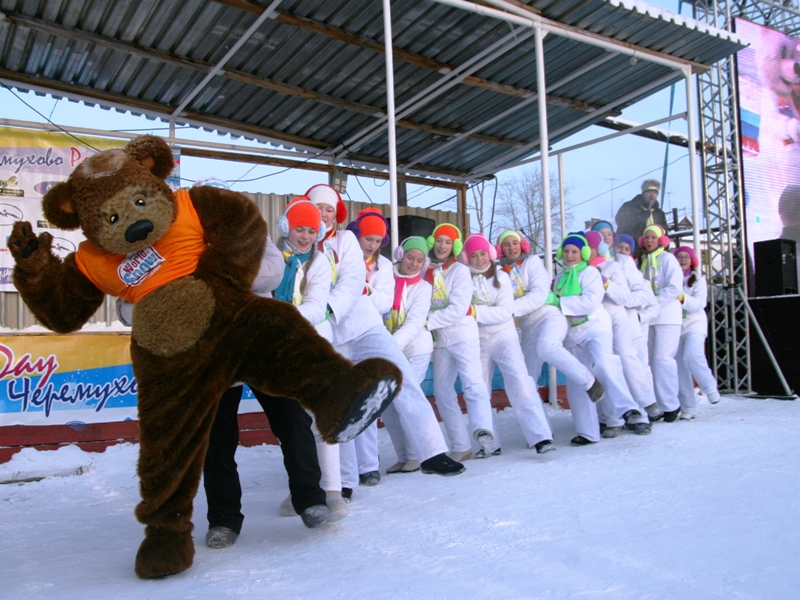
702	509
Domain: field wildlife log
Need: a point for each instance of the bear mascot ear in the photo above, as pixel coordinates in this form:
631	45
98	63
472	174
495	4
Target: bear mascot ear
153	153
58	206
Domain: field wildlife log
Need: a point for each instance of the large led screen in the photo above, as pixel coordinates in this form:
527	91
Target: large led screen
769	113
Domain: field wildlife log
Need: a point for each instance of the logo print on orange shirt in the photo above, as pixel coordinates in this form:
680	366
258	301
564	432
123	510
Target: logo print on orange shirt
139	266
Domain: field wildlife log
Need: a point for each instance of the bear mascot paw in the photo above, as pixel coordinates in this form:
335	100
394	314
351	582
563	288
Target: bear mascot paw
187	260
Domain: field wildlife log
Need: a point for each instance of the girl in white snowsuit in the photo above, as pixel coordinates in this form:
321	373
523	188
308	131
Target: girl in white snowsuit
578	292
644	308
691	351
665	275
617	297
493	301
306	284
456	348
358	333
405	320
542	326
360	460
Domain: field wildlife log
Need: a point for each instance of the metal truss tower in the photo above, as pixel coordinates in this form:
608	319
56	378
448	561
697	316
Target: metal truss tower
726	268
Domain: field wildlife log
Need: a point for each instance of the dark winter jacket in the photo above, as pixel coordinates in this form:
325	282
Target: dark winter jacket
632	217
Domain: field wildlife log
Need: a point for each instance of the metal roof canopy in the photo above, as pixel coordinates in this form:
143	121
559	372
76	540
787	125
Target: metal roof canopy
307	75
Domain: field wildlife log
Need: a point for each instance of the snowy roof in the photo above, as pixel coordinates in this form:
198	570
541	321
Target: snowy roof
311	75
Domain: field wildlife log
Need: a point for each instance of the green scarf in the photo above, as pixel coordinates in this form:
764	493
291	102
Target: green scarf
650	263
570	283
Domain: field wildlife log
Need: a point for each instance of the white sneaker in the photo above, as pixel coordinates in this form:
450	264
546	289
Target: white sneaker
286	509
687	416
461	456
714	397
485	439
411	466
337	506
395	468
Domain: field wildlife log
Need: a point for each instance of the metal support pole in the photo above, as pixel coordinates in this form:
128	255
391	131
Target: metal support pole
763	338
562	194
387	39
691	124
544	145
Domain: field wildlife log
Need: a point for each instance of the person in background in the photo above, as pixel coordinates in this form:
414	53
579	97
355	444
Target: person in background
578	292
617	295
691	356
359	333
456	347
288	421
665	275
542	326
643	210
411	301
493	301
642	309
359	458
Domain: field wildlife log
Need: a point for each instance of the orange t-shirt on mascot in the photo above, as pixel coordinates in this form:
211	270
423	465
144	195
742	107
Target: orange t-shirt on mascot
133	276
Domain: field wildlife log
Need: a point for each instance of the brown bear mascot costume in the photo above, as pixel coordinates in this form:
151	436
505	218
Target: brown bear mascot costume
187	260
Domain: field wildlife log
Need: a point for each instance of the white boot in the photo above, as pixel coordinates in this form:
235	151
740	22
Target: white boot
337	506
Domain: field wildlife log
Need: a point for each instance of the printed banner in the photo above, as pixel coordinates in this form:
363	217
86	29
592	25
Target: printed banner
71	379
31	162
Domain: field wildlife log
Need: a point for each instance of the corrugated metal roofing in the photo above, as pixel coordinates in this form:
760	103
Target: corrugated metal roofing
312	76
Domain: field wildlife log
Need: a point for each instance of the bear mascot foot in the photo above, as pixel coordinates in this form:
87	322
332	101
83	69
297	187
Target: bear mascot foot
357	399
164	553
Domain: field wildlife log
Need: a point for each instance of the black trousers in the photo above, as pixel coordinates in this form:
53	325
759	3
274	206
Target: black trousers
291	425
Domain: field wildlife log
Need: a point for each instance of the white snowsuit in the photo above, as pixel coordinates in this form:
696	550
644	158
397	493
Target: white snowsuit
589	339
691	356
359	333
416	343
500	346
380	286
665	329
542	327
617	297
457	352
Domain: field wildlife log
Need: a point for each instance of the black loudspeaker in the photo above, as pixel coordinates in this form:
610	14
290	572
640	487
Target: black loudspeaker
408	226
776	267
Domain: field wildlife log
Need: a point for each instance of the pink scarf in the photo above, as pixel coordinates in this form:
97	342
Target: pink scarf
400	284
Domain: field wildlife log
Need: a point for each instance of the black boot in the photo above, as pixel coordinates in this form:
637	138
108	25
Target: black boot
441	464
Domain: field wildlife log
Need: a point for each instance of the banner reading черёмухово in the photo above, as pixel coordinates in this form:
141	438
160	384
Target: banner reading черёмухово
31	162
61	379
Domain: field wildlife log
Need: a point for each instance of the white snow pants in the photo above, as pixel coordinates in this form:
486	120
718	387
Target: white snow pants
390	418
462	359
503	349
692	362
597	354
329	465
635	375
663	347
543	341
416	414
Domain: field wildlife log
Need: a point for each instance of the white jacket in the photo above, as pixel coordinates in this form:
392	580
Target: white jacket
412	336
451	324
497	318
617	294
588	304
670	286
695	299
381	284
315	298
353	311
530	308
